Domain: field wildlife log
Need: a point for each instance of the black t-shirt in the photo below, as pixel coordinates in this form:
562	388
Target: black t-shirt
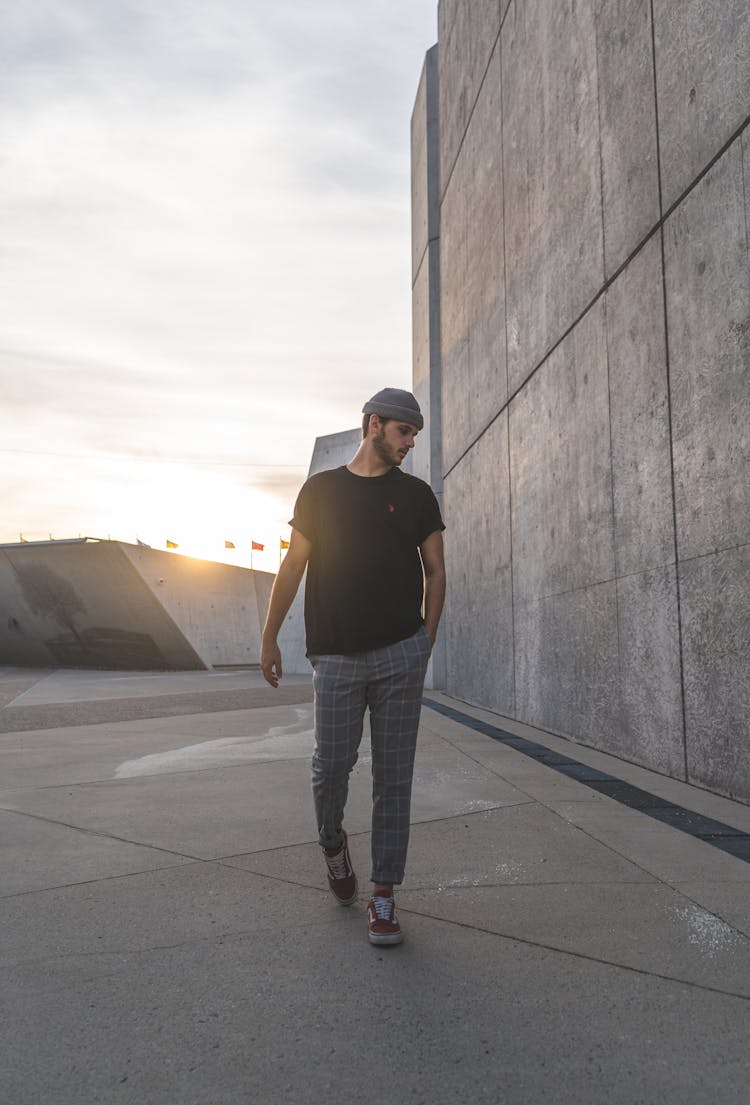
364	579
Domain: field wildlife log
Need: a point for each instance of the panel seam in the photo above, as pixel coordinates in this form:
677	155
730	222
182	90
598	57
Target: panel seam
470	116
604	288
744	195
662	222
507	374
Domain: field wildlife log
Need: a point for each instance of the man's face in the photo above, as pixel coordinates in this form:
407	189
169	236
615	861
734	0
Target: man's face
392	440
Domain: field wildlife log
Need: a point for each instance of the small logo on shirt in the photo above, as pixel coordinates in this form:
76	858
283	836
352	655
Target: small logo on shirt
391	508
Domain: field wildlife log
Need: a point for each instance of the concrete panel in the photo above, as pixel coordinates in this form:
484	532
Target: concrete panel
22	639
426	459
552	175
703	82
567	672
639	414
485	238
419	196
333	450
627	118
716	651
425	161
479	614
454	344
455	418
214	605
420	331
83	604
263	585
708	302
560	468
427	454
651	731
467	30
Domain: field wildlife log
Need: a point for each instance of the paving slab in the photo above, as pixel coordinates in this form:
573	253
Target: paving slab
36	854
166	934
91	753
672	856
251	1009
647	926
15	681
524	843
203	814
182	801
505	846
728	900
94	686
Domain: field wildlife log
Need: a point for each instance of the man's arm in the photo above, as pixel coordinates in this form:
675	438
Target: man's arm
284	589
434	572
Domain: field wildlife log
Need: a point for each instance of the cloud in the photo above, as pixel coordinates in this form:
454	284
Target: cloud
204	247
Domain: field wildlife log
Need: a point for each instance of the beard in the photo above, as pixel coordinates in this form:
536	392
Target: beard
387	454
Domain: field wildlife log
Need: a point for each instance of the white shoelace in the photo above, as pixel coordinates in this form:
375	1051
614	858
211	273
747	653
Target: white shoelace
383	908
337	865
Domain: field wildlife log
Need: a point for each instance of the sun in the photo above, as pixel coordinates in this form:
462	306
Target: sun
203	512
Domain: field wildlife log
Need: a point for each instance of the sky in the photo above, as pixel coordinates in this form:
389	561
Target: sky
204	257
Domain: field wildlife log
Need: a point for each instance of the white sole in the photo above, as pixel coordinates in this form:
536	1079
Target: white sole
394	938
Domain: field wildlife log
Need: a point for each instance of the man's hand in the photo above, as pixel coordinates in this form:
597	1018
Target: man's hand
291	570
270	663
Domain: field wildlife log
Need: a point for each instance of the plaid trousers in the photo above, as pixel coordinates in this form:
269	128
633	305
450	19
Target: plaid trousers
389	681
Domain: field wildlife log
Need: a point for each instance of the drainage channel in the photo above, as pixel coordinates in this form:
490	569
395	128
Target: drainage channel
725	837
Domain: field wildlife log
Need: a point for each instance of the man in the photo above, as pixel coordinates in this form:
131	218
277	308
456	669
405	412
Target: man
360	530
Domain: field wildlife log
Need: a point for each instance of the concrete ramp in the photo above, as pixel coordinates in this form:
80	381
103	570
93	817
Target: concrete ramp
107	604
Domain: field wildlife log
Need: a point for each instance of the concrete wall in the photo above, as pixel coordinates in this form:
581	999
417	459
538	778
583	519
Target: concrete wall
426	459
594	362
106	604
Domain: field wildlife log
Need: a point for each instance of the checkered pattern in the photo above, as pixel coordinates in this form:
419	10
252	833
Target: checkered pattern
389	681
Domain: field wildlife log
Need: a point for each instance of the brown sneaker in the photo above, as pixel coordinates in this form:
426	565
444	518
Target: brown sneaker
383	921
342	881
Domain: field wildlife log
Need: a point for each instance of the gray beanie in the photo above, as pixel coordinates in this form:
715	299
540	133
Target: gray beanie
395	403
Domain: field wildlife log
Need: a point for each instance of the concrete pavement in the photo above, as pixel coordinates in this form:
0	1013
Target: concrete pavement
167	938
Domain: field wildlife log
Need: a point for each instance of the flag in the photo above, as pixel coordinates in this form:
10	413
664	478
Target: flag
229	544
142	543
172	544
24	540
257	547
284	544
